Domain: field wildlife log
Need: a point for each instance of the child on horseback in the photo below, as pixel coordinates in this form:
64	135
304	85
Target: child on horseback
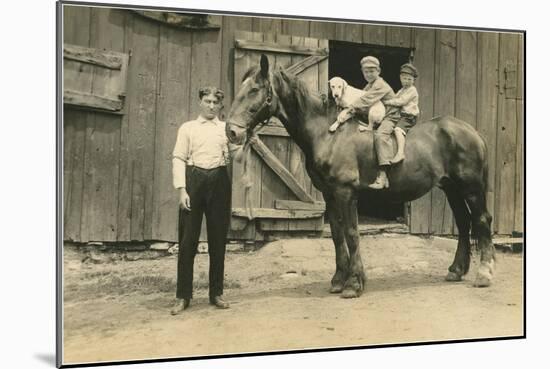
376	90
407	102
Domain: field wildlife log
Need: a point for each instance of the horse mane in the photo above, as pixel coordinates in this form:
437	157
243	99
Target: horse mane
306	99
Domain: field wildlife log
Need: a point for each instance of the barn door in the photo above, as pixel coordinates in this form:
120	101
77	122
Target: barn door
282	195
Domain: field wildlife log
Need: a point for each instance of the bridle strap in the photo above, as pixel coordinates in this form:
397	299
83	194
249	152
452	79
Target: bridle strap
266	103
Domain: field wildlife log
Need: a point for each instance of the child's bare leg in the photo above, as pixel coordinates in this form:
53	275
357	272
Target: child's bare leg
342	118
400	137
334	126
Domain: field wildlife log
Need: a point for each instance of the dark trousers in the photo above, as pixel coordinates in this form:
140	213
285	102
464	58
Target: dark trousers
210	194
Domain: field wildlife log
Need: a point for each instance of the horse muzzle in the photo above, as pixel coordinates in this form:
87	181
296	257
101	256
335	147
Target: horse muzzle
235	133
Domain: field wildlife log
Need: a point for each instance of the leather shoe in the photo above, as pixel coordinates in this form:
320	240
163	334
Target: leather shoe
180	305
218	302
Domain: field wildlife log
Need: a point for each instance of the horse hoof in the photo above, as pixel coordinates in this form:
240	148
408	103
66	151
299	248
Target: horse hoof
336	288
349	294
482	281
485	274
453	277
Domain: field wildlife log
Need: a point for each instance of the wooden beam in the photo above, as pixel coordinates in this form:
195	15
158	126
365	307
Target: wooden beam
190	21
305	64
93	56
283	173
277	48
299	205
273	131
507	240
277	213
91	101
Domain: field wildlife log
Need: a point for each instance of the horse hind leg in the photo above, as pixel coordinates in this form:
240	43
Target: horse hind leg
461	262
481	231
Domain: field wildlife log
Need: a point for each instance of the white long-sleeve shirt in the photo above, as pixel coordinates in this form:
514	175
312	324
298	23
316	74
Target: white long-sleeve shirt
201	143
407	100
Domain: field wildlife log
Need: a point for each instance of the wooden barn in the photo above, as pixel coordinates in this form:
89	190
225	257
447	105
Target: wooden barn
131	79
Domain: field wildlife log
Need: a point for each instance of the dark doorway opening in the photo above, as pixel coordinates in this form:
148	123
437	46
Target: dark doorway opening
344	61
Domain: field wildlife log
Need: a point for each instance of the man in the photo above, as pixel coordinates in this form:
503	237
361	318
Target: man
199	174
377	90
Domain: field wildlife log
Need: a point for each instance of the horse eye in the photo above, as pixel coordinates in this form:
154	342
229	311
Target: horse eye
254	89
253	110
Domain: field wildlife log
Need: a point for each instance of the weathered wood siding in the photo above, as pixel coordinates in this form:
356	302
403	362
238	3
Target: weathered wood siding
117	168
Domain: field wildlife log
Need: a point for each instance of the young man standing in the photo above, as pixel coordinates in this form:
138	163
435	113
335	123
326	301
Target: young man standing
199	163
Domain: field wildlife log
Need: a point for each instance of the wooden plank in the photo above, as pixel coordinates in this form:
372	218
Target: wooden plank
126	167
308	62
299	205
374	34
77	76
100	198
300	228
266	25
507	240
421	209
181	20
466	77
277	48
520	168
322	30
172	111
277	213
444	103
273	162
488	45
99	213
398	36
506	137
76	25
142	100
68	148
91	101
74	140
102	58
351	32
295	27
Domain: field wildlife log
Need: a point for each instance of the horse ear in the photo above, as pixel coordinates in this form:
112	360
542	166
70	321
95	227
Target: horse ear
264	66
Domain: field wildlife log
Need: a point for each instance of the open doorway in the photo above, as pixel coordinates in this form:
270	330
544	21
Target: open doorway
344	61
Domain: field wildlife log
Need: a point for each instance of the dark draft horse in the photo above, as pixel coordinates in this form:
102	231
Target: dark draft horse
444	152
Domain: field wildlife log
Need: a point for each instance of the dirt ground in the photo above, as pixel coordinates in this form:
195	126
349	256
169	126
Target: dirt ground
119	310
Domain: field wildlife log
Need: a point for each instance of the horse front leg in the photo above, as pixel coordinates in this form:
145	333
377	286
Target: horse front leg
342	257
355	282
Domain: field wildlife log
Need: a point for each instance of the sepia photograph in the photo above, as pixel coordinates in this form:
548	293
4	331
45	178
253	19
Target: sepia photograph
236	184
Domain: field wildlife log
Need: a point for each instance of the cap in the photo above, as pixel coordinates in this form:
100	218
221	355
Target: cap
370	61
409	69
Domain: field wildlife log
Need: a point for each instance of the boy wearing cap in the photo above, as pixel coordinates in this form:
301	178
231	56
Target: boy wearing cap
407	102
377	90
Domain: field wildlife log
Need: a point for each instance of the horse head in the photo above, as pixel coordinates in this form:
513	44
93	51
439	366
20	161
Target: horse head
255	102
